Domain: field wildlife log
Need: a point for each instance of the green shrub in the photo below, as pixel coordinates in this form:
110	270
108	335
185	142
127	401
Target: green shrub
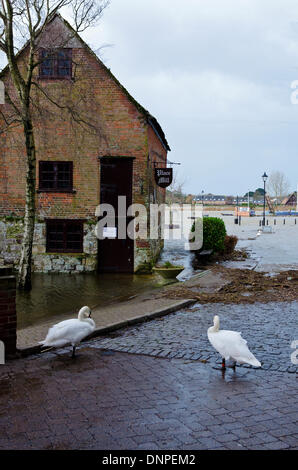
167	264
214	233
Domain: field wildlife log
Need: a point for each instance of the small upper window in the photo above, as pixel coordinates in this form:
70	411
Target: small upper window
55	63
55	176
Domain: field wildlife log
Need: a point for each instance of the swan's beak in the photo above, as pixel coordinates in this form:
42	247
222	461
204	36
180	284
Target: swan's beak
90	314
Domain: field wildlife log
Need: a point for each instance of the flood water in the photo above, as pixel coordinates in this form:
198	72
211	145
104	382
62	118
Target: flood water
55	294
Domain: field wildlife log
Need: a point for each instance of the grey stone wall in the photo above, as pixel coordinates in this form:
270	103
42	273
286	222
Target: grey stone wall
11	233
145	258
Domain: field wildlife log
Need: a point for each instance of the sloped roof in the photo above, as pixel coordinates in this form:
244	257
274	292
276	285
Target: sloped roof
287	199
152	121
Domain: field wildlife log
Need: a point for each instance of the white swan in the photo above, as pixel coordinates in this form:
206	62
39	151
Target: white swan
230	345
70	331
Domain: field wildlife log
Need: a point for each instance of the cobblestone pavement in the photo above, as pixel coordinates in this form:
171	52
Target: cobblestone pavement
268	328
115	400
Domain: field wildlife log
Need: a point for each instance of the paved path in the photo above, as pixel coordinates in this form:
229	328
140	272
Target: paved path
108	317
268	328
117	400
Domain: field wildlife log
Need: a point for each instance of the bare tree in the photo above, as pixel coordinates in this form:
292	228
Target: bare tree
28	19
175	190
278	185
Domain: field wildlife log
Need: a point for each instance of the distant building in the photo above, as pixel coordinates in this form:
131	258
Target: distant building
219	199
210	198
290	200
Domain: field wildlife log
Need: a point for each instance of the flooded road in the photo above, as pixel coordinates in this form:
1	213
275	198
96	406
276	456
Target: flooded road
55	294
174	251
270	252
58	294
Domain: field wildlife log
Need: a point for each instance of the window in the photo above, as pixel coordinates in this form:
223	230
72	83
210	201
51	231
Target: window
64	236
55	64
55	176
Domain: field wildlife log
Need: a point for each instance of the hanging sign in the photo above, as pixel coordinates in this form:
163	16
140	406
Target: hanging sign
163	176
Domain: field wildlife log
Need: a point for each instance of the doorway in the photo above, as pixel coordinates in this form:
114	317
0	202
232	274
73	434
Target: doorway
116	255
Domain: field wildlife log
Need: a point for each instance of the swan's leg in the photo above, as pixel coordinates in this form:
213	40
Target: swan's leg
223	364
73	352
234	366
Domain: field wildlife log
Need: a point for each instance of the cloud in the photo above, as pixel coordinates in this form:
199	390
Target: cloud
217	76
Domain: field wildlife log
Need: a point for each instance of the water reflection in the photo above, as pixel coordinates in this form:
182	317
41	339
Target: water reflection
57	294
54	294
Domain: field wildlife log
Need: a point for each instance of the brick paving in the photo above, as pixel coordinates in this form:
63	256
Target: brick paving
268	328
110	316
117	400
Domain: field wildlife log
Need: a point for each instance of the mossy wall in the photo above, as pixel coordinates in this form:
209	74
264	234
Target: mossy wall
11	233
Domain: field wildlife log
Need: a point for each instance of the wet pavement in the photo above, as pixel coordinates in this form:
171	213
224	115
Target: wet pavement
157	386
268	328
168	397
59	294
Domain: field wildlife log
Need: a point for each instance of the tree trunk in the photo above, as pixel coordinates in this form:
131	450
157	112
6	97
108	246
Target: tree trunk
24	280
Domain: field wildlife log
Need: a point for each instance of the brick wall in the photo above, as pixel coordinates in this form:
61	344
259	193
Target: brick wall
119	128
8	316
158	154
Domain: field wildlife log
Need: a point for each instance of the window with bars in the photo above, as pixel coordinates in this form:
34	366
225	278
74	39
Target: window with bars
64	236
55	176
55	63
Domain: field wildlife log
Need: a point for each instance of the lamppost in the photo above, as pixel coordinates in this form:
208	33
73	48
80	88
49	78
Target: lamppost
237	209
264	176
202	197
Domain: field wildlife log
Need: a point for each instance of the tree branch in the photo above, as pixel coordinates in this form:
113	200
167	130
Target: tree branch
73	111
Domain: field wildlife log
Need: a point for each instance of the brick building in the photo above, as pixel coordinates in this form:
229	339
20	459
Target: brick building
94	143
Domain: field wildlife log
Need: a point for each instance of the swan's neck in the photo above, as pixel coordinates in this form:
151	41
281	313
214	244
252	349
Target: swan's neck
215	327
212	329
83	313
89	320
85	319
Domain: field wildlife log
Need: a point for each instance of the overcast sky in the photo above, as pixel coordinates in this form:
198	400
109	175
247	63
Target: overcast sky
217	75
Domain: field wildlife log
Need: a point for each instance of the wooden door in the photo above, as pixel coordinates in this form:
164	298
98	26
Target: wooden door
116	255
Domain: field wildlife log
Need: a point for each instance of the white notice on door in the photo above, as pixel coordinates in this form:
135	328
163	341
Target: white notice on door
110	232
